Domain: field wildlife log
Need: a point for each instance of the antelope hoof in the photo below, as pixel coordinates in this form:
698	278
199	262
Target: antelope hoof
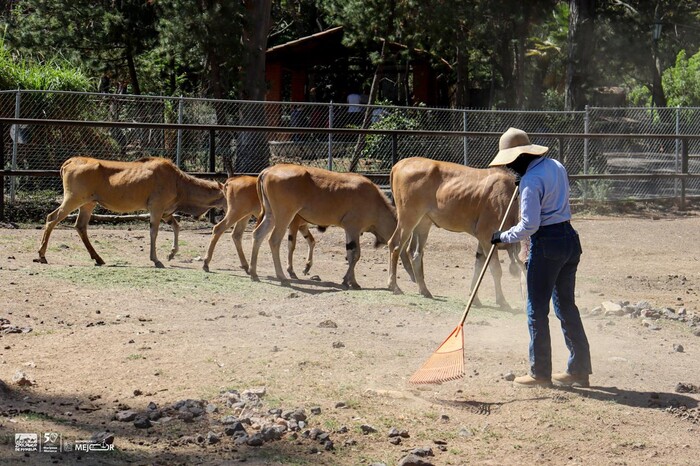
41	260
292	275
355	286
427	294
158	264
99	262
171	255
285	282
503	305
307	268
205	267
245	267
254	277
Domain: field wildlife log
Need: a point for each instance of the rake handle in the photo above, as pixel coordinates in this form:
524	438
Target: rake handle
488	259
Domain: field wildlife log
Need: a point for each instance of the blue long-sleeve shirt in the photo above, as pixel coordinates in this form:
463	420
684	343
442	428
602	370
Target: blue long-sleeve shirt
544	199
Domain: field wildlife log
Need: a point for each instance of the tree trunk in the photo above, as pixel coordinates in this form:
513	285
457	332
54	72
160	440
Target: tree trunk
581	45
360	145
462	85
135	88
253	151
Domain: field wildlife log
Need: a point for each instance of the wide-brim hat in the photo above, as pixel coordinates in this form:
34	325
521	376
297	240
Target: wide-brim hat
513	143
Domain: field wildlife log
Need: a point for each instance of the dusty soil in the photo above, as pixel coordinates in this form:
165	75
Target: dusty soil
124	335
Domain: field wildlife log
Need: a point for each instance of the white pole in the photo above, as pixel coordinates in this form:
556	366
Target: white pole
678	150
178	151
330	137
13	180
465	140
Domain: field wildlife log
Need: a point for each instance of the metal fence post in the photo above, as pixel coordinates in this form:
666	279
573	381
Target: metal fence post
330	137
676	164
465	140
586	126
394	155
178	151
212	165
13	181
684	169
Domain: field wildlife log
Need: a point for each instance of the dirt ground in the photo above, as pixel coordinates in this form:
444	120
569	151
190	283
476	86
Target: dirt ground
108	339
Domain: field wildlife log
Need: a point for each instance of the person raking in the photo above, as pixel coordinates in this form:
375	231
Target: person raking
555	252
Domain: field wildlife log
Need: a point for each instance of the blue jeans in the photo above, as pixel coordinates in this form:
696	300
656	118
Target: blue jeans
551	274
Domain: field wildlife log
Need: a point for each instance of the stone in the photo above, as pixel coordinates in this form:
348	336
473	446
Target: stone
272	433
413	460
678	348
235	429
509	376
596	311
316	410
464	433
125	416
106	438
255	440
22	379
138	392
152	406
393	432
212	438
328	445
341	405
395	440
298	415
611	308
650	324
687	388
257	391
338	344
367	429
142	423
211	408
328	324
423	452
641	305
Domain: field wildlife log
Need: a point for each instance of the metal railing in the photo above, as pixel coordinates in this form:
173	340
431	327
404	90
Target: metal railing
611	153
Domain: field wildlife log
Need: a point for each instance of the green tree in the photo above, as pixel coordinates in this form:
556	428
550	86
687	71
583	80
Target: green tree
682	81
106	36
581	43
627	51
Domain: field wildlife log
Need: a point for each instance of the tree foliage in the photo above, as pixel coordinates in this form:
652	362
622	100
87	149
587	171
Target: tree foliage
520	54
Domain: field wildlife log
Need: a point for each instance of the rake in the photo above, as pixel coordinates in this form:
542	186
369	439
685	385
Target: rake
447	362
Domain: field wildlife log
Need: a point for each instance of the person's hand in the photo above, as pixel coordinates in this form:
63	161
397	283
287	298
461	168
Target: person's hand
496	237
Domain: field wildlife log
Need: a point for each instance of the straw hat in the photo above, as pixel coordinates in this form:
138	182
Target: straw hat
513	143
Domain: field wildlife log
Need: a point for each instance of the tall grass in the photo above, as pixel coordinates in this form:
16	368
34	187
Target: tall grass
54	74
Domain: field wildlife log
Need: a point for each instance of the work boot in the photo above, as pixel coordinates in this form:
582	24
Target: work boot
530	381
570	380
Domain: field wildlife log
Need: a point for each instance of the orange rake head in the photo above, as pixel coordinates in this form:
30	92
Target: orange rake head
446	363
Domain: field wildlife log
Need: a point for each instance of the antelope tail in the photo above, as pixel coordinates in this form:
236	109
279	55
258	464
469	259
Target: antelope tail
261	195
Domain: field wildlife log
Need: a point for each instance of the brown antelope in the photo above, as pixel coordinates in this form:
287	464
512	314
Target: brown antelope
456	198
152	184
321	197
243	203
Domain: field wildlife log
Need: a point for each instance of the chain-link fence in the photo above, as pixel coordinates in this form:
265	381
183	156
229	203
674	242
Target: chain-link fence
40	147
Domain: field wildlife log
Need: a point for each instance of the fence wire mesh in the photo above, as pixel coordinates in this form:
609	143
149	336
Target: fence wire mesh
47	147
